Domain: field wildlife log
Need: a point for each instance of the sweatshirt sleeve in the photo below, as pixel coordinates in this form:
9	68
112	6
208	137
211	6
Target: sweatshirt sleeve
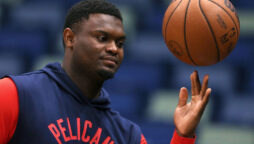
176	139
9	109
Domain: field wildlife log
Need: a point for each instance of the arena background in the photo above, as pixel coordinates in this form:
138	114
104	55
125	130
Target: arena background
146	87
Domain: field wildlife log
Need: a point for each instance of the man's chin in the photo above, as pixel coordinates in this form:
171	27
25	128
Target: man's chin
106	74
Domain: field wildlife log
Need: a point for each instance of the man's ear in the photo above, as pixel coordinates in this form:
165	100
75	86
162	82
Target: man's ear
68	37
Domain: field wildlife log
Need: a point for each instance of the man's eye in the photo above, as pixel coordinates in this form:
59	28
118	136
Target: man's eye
101	38
120	44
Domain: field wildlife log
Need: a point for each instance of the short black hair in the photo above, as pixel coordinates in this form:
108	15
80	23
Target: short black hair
84	8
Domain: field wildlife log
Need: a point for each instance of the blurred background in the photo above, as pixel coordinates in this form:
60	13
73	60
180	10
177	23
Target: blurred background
146	87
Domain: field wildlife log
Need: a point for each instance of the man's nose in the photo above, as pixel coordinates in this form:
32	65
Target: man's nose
112	48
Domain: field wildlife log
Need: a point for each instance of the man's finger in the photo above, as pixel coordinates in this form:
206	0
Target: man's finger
195	84
183	97
204	86
207	95
205	101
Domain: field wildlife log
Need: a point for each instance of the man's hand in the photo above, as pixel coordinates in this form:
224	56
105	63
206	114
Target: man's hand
188	115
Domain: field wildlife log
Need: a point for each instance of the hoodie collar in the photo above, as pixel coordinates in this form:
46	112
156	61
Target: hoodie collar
57	73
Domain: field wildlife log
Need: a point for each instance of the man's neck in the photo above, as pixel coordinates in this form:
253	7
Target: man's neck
89	85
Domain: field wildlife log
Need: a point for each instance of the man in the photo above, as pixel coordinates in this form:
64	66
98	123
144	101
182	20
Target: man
65	103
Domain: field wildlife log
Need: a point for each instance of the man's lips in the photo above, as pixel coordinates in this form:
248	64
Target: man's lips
110	60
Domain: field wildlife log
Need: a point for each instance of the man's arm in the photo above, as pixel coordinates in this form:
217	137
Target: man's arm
9	109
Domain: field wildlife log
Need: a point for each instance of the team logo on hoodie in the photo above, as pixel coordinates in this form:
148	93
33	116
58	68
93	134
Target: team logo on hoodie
63	131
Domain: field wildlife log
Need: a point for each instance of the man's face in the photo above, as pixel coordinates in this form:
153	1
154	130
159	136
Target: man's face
98	45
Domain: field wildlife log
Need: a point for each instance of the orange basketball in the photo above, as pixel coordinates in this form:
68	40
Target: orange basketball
201	32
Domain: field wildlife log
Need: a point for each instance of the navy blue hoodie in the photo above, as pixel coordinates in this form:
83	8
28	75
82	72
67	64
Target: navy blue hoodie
53	110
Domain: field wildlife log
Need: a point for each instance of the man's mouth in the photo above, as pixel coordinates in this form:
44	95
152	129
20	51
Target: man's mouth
109	60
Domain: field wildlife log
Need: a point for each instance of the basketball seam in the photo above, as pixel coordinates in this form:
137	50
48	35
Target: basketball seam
165	33
228	15
210	28
186	45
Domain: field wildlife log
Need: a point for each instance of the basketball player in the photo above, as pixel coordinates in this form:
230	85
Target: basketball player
65	103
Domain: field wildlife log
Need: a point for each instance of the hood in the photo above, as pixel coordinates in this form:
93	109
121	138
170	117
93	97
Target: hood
57	73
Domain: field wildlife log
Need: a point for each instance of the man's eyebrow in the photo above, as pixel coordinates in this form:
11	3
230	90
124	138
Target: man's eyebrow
101	31
106	33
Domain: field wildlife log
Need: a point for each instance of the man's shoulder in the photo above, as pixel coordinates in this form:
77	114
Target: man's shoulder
28	75
30	79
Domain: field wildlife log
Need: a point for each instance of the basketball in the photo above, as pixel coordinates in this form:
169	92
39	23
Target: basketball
201	32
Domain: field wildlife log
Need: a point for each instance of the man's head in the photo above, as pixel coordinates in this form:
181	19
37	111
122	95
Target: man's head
93	38
84	8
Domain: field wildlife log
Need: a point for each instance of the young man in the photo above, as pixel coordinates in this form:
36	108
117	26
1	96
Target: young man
65	103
